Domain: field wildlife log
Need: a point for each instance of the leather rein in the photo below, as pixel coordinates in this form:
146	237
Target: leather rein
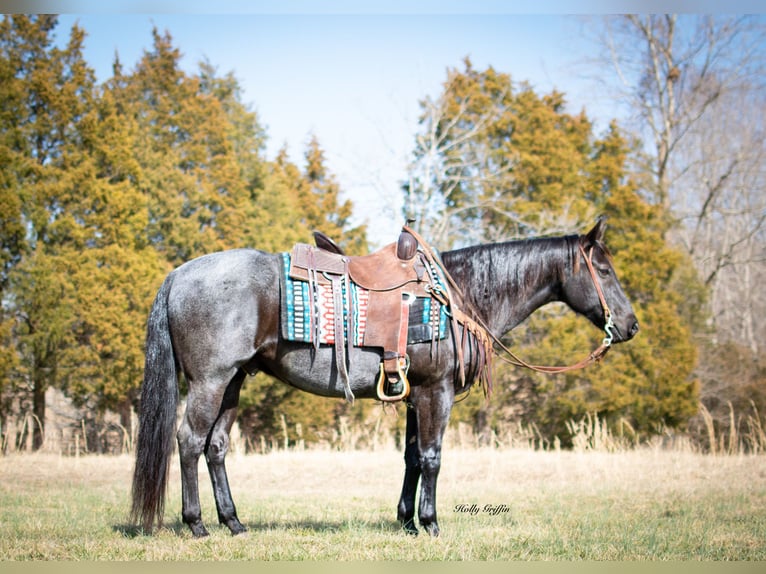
594	356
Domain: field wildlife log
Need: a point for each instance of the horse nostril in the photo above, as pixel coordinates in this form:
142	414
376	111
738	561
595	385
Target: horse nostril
633	329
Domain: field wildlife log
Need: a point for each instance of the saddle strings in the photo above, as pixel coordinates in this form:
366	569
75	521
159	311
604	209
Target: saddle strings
471	320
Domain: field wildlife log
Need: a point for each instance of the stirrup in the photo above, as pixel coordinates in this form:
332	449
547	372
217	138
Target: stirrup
401	371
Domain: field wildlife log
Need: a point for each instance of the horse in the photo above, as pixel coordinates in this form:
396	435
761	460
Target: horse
216	320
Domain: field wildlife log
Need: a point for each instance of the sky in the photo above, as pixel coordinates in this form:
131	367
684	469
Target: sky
355	80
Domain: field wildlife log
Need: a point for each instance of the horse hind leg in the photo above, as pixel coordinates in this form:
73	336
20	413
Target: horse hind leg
215	454
203	408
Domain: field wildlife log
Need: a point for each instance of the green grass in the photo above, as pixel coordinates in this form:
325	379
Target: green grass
640	505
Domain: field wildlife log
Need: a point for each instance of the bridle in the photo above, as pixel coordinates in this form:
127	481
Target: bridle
593	357
608	321
511	358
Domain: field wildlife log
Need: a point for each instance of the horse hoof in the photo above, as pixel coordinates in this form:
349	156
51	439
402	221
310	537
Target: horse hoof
432	529
198	530
410	528
237	529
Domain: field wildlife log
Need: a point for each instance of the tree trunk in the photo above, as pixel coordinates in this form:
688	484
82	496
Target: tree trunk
38	409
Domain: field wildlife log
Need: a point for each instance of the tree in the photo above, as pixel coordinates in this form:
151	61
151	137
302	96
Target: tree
12	232
247	141
453	169
49	92
321	203
293	203
198	201
695	85
722	214
489	154
674	69
554	176
115	269
105	189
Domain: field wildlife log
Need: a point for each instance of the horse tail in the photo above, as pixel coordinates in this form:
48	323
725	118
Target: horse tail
157	417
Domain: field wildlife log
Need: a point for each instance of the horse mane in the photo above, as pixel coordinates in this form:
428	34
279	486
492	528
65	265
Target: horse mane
519	264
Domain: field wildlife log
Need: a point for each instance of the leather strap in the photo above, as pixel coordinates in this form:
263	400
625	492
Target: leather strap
340	347
404	323
314	295
351	323
394	362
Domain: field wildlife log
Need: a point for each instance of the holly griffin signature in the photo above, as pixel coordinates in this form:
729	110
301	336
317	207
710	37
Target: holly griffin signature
474	509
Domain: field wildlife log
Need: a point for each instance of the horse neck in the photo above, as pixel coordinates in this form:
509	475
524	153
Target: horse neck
507	282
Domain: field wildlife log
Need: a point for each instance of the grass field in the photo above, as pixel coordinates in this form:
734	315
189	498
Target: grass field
314	505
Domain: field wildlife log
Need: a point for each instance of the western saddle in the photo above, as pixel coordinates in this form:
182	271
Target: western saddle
394	276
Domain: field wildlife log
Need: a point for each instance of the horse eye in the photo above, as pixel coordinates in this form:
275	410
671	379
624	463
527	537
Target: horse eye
603	271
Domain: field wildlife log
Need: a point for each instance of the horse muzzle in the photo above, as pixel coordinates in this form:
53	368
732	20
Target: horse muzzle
626	332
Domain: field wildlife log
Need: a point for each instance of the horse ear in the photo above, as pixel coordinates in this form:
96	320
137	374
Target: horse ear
596	235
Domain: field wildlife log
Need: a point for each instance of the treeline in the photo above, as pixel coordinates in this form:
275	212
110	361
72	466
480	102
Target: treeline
683	184
106	187
512	163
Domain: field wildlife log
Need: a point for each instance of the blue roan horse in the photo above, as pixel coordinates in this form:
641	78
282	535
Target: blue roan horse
217	318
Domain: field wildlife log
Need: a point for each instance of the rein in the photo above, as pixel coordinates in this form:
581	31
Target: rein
593	357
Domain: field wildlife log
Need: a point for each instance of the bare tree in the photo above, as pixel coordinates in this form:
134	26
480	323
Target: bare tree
673	69
695	85
448	161
721	205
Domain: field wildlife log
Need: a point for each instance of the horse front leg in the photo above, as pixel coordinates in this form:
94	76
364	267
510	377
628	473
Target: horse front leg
406	509
433	408
215	455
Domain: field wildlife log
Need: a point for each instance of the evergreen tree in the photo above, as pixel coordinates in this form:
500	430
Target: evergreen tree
646	383
278	222
12	233
105	189
515	164
116	269
246	135
292	204
321	204
198	202
49	93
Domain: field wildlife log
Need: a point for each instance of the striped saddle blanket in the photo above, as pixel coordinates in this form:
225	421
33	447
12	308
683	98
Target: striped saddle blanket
298	324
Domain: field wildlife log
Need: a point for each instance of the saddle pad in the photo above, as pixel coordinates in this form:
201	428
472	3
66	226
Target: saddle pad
296	309
425	313
296	312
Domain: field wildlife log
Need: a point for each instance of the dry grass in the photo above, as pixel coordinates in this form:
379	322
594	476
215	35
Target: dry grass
730	440
311	505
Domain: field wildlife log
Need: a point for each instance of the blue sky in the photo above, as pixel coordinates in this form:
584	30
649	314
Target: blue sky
352	80
355	80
